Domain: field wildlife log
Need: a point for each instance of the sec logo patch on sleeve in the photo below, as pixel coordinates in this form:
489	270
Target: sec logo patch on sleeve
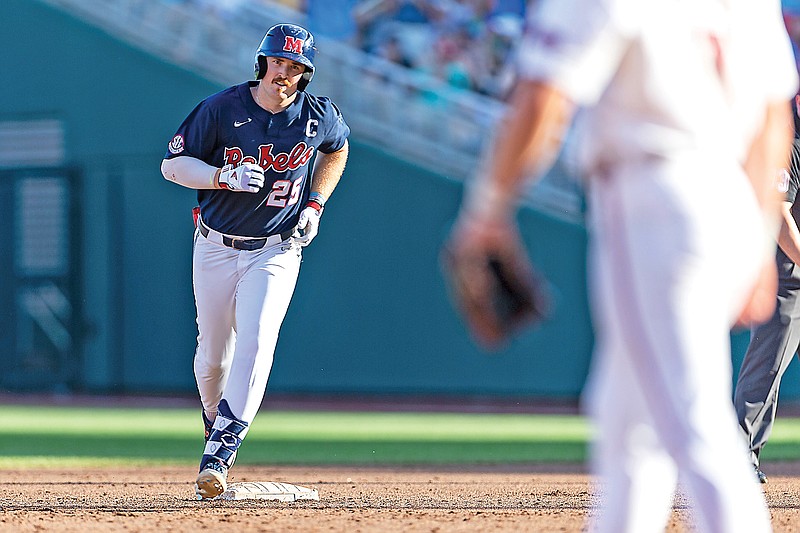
176	145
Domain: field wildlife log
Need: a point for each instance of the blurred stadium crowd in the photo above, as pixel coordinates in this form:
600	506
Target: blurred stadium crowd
791	15
465	43
462	42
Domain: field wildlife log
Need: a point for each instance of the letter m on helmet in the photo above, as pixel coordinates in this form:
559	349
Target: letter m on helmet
293	45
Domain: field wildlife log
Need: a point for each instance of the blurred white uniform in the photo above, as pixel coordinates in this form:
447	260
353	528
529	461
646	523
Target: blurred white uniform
675	90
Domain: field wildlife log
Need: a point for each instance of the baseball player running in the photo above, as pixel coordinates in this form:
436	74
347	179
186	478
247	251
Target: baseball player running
774	343
248	150
683	128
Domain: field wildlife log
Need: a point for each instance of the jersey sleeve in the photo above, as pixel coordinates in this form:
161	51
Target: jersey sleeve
576	45
337	130
196	136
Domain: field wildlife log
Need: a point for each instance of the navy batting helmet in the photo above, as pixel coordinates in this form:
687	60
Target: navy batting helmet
288	41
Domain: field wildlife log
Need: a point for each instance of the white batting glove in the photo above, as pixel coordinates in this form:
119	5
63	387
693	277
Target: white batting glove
307	225
247	177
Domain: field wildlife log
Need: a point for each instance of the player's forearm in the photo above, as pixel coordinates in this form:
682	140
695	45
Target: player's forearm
328	169
789	234
190	172
526	143
769	152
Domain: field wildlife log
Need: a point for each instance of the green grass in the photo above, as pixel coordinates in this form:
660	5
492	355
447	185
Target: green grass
63	436
42	436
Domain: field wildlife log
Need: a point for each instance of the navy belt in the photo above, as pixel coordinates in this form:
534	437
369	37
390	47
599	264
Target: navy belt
241	243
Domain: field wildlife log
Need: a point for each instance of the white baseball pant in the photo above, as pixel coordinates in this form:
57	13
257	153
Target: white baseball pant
675	246
242	298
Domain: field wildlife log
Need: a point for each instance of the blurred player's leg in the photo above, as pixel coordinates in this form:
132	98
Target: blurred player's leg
638	477
672	304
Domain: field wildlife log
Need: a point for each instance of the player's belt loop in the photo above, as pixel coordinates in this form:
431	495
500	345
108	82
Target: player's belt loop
240	243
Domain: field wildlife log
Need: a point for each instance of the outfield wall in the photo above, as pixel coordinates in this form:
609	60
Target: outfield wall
370	313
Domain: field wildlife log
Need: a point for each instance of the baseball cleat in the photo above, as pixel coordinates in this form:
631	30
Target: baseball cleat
211	481
762	477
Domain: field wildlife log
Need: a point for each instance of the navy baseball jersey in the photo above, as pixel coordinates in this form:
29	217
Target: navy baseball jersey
229	128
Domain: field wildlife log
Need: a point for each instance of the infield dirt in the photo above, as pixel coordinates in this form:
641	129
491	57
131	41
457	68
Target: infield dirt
535	498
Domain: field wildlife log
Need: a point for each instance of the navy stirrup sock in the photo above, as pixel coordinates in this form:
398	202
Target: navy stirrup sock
226	437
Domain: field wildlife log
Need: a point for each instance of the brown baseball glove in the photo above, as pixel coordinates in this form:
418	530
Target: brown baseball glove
497	292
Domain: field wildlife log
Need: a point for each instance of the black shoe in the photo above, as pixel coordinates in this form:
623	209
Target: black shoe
762	477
